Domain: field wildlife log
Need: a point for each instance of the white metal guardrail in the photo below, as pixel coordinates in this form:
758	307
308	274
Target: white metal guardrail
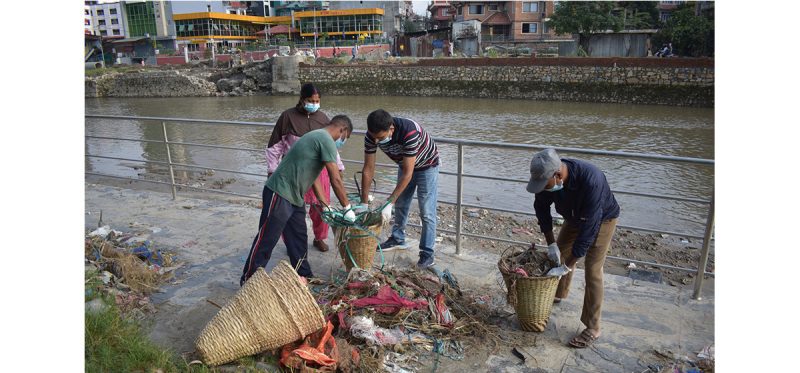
459	174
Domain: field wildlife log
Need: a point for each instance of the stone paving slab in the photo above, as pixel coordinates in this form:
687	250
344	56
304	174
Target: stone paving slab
213	236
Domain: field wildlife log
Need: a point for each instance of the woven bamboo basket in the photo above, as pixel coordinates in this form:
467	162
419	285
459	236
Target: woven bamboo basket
268	312
532	297
361	244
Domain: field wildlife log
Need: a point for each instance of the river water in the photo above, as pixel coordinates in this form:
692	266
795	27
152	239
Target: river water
665	130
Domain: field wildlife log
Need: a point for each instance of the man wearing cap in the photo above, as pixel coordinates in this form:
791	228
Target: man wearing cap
582	196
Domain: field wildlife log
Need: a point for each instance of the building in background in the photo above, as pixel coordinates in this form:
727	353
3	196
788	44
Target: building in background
104	18
510	23
286	8
442	14
665	9
394	12
345	24
199	31
149	30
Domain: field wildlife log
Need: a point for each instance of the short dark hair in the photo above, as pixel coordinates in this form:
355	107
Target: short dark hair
343	120
379	121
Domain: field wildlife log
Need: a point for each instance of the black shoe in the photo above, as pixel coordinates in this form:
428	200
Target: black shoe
425	262
390	244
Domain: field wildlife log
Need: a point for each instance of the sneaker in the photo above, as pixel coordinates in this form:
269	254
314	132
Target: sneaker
425	262
390	244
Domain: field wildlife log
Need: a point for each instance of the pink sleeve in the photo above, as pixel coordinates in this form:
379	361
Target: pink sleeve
276	152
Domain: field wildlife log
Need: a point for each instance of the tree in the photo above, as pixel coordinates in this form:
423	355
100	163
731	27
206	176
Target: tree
690	34
584	18
639	15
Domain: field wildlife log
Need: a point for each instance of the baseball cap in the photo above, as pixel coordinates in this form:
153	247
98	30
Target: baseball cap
543	165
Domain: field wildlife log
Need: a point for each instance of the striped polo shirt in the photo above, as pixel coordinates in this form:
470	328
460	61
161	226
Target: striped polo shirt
408	140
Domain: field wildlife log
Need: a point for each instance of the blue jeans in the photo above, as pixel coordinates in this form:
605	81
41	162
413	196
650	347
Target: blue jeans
425	184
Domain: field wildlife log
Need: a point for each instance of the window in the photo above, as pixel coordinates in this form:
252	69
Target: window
665	16
103	33
445	12
112	11
460	11
530	7
545	29
476	9
114	21
100	12
115	31
529	28
101	22
493	7
86	12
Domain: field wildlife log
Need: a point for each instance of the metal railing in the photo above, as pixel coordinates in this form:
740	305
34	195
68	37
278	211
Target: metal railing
459	174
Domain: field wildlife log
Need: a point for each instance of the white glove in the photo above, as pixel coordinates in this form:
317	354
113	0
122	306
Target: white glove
361	207
386	213
349	215
326	208
558	271
371	198
554	253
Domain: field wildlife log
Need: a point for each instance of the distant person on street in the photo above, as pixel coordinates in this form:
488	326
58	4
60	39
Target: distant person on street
283	212
291	125
355	53
406	143
583	197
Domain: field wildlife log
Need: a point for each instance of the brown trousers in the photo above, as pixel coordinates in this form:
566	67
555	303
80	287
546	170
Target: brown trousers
594	260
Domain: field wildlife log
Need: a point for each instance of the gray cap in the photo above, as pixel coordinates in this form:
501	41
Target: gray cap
543	165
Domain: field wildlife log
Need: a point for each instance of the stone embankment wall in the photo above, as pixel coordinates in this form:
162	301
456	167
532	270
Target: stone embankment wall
639	81
171	83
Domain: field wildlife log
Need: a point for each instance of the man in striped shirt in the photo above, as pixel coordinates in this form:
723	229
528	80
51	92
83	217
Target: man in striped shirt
409	145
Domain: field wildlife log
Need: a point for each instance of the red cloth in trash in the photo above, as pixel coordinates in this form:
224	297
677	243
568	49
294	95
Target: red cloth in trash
323	354
387	301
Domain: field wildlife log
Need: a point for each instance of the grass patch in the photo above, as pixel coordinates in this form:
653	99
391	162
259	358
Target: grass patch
109	70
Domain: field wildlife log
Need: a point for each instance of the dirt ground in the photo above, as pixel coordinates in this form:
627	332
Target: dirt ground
662	249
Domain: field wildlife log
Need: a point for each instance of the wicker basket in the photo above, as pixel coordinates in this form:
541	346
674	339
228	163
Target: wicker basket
361	244
532	297
268	312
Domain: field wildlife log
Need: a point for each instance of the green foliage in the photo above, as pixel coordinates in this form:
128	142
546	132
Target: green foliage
639	15
409	26
690	34
584	18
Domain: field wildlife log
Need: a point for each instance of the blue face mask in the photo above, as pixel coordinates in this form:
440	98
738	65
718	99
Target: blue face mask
340	142
555	188
311	108
384	141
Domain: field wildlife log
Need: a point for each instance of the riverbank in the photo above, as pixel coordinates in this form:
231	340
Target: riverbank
643	322
677	82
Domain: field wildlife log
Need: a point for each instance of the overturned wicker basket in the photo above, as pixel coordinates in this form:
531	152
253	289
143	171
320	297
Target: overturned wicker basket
268	312
361	245
532	297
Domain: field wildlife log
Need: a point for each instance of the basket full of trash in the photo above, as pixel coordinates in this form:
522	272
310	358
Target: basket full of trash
530	291
269	311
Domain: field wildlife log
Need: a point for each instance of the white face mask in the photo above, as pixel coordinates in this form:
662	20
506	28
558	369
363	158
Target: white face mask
555	188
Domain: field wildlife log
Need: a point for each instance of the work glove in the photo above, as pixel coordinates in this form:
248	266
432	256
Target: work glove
386	213
554	253
370	198
326	208
558	271
349	215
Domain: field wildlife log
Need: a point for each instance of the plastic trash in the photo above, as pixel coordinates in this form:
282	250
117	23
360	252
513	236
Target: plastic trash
558	271
364	327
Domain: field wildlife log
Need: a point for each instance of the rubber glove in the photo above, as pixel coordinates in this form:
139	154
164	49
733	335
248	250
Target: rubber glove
349	215
559	271
554	253
386	213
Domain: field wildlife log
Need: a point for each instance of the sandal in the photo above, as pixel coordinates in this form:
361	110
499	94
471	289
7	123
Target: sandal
583	340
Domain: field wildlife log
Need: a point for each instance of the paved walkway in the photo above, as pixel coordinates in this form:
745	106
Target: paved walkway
213	236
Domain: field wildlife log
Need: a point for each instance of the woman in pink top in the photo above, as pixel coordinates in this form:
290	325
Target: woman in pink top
293	123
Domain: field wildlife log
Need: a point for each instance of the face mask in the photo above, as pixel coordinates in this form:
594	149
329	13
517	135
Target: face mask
340	142
555	188
384	141
311	107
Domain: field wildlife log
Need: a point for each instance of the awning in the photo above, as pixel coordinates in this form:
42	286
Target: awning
497	19
130	40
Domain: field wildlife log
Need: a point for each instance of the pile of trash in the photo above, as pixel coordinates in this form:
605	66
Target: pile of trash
527	263
391	318
127	269
676	363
